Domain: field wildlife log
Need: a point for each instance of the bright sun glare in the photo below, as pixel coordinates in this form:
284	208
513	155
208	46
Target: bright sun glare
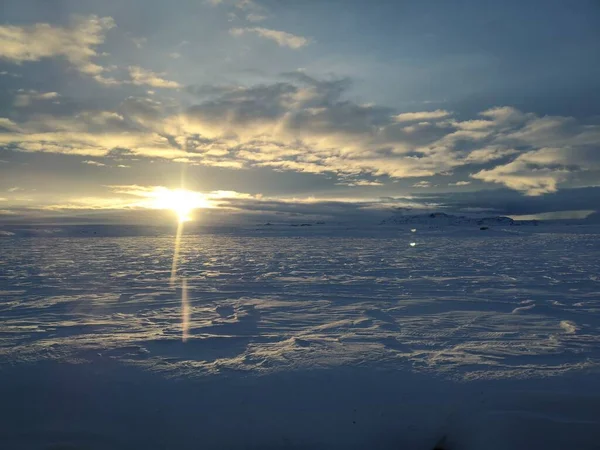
181	201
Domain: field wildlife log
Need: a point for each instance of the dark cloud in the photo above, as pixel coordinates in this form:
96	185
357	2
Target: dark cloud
508	202
253	210
231	211
247	105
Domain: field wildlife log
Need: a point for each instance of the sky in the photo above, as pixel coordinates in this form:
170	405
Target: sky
298	109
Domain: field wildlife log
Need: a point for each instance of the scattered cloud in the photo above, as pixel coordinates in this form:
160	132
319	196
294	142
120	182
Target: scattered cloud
460	183
77	43
5	73
422	116
142	76
359	183
282	38
422	184
93	163
244	5
139	42
254	17
248	5
522	176
490	153
175	55
25	98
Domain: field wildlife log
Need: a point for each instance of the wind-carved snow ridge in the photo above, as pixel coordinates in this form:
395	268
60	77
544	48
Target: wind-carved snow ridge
316	341
528	304
266	304
569	326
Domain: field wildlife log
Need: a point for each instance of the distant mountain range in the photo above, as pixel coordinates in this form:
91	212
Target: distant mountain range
439	219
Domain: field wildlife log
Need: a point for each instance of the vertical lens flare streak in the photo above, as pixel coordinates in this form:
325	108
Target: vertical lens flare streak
176	252
185	307
185	312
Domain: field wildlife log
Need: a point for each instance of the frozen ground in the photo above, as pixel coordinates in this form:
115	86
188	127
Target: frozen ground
298	339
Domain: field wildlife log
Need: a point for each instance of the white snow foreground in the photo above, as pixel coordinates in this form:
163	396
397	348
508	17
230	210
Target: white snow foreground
107	406
301	342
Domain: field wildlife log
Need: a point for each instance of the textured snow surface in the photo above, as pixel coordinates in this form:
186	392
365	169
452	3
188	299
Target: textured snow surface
299	341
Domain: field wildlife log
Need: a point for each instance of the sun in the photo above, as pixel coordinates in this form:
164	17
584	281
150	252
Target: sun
180	201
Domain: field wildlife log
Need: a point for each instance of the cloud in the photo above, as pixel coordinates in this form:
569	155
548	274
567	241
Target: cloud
155	191
134	203
422	184
556	215
551	150
519	175
460	183
254	17
505	115
282	38
5	73
306	124
8	124
76	43
25	98
139	42
489	153
503	201
244	5
359	183
89	133
93	163
422	116
140	76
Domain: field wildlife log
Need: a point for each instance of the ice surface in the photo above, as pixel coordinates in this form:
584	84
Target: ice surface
297	340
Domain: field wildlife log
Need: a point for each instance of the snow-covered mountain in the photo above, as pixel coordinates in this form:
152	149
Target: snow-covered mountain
439	219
